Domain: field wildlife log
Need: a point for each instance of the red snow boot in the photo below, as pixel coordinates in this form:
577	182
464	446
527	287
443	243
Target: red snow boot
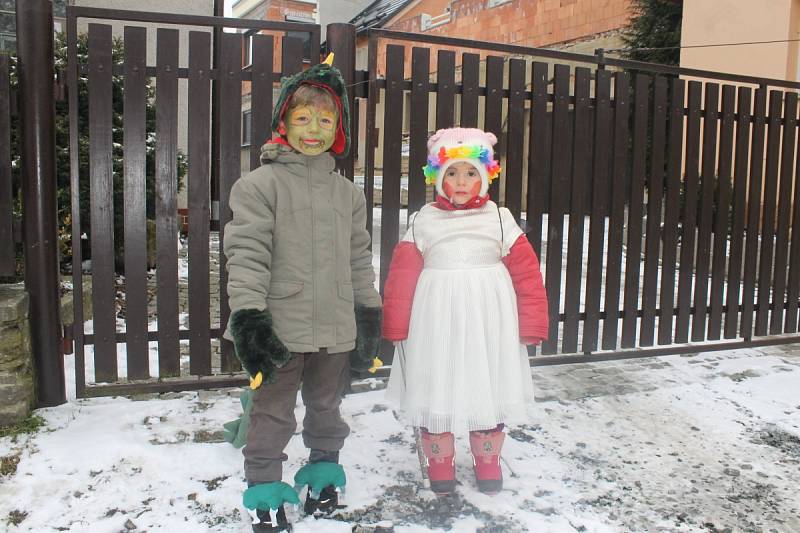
486	446
439	449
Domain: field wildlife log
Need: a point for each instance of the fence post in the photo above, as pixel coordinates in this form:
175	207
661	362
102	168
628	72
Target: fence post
600	54
37	125
219	11
341	40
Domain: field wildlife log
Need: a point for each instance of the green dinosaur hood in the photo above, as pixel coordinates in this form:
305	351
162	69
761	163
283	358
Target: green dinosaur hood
330	79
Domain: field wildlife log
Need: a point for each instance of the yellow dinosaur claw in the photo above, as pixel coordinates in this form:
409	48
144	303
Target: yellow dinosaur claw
329	60
376	363
256	381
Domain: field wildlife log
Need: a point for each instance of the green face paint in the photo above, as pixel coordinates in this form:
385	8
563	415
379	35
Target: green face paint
311	130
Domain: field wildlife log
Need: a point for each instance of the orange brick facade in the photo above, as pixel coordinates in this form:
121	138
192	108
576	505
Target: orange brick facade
529	23
277	10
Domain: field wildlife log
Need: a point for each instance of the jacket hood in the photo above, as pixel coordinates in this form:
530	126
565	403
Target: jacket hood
294	161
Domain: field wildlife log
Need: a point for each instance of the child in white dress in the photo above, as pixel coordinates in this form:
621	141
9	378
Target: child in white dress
463	297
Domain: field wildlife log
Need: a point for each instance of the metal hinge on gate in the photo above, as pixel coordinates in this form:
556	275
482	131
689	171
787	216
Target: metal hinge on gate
66	340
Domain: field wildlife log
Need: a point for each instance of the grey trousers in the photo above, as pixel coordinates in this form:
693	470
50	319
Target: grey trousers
272	420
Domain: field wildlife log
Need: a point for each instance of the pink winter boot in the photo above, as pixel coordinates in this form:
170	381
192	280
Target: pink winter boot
439	449
486	446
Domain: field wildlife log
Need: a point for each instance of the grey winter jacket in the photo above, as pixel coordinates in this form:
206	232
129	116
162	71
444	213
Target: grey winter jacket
298	246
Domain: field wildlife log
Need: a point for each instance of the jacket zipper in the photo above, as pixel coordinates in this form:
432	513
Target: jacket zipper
313	259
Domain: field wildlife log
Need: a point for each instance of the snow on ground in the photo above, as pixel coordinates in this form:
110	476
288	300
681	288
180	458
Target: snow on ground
693	443
706	442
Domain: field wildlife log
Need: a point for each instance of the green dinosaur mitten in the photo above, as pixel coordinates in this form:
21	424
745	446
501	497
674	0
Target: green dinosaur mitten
270	496
236	430
368	337
320	475
256	344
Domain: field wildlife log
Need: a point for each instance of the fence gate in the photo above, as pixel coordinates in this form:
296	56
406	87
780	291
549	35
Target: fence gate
663	202
160	329
665	210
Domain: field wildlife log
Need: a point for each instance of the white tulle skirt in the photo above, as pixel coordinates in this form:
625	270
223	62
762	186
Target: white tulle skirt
463	366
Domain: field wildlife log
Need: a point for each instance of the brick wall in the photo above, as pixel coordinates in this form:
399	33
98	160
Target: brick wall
277	11
530	23
527	22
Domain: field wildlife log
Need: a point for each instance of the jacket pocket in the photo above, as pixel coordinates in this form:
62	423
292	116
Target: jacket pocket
346	320
290	311
284	289
346	291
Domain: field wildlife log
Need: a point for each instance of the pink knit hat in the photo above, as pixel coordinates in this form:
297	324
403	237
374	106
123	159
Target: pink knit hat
469	145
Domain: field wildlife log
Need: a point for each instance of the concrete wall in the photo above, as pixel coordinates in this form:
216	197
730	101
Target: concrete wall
16	359
727	21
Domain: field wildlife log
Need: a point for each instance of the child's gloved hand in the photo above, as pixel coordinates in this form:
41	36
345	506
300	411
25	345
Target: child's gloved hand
257	346
368	337
268	496
320	475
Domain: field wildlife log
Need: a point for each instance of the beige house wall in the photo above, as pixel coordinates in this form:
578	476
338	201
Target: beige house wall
729	21
734	21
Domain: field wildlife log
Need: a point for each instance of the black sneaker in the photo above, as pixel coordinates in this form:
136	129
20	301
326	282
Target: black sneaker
266	525
327	503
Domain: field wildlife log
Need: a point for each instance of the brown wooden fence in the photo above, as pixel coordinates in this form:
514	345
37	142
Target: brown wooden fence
7	234
217	165
656	222
663	202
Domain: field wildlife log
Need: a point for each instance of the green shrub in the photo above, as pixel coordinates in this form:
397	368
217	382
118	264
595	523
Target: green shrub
63	150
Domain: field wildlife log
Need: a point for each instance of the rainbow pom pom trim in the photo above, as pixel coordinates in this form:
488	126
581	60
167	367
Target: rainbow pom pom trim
437	161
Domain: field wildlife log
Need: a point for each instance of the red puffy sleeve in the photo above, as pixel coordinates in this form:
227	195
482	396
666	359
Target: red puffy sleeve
398	292
523	265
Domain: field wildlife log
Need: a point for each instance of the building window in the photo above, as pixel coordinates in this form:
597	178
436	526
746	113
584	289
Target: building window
248	49
303	36
247	128
8	26
8	22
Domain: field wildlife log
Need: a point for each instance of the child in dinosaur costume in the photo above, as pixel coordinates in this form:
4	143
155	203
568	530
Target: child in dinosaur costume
301	293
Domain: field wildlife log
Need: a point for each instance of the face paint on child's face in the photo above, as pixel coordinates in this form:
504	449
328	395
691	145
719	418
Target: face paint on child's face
462	182
310	130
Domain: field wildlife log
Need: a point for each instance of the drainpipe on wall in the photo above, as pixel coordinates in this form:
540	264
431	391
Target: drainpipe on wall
37	125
